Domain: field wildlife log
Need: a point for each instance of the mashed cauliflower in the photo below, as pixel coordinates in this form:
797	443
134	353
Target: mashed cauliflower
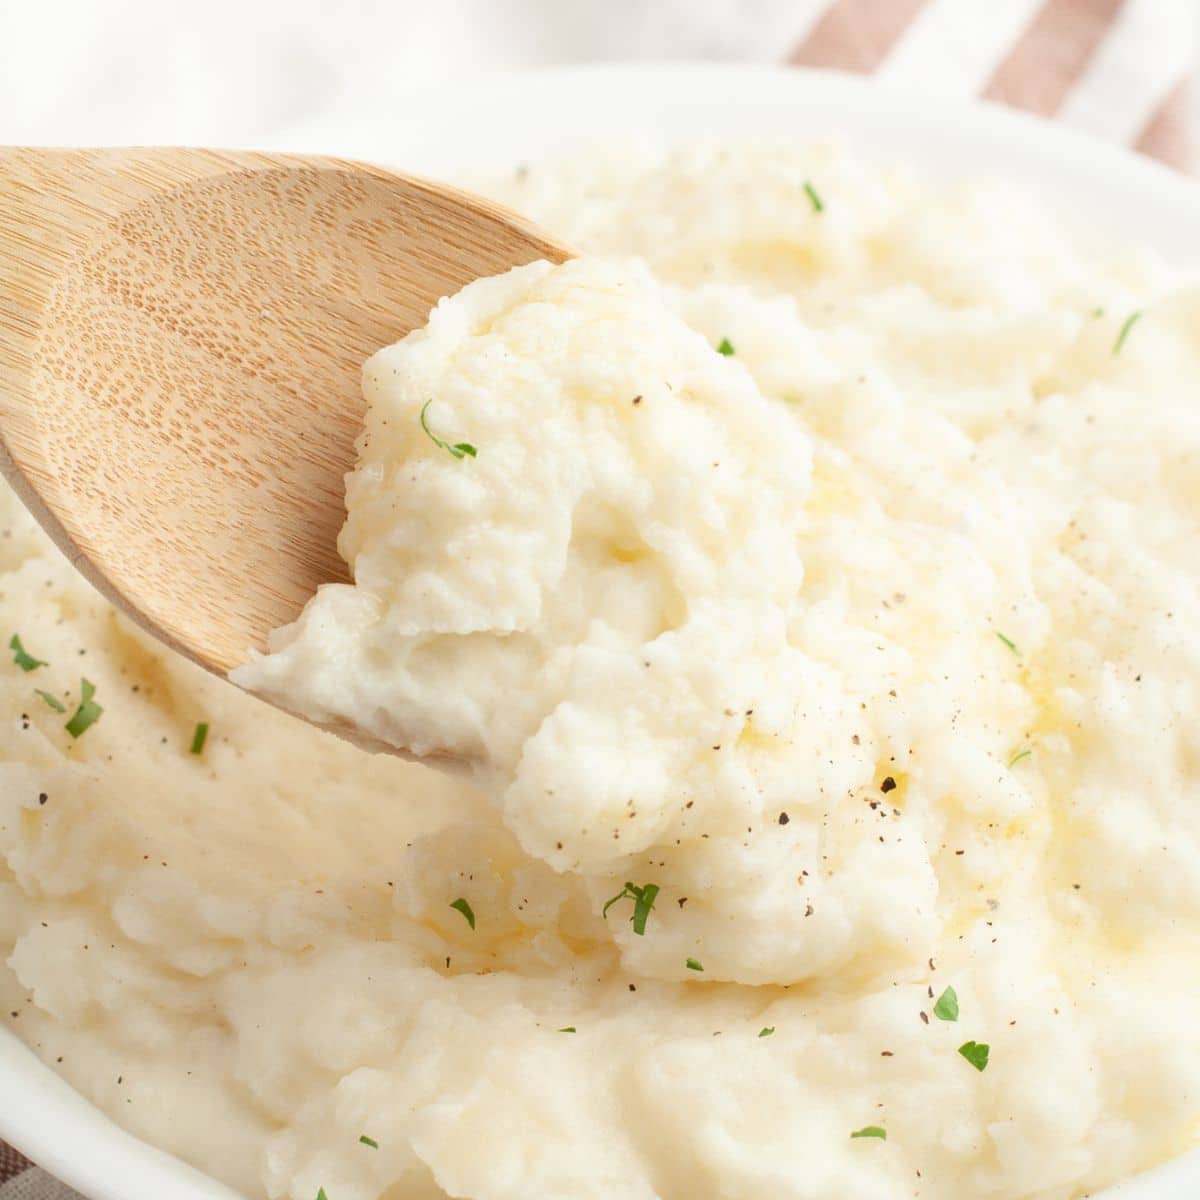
809	576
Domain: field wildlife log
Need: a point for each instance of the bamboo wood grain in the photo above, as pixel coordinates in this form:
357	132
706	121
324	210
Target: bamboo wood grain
181	339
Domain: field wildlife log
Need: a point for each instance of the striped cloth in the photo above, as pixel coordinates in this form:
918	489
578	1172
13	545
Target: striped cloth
1119	69
1123	71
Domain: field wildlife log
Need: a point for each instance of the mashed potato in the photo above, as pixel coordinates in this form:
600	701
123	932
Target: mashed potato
815	569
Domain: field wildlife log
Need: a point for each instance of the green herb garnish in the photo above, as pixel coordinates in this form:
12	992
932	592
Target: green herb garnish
321	1195
464	908
566	1029
643	902
88	712
199	737
871	1131
976	1053
946	1008
1130	322
1007	641
366	1141
54	702
25	661
726	347
1097	313
693	965
459	449
814	197
1016	758
766	1031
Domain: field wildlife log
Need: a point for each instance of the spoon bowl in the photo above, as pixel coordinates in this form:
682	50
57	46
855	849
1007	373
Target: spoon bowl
182	334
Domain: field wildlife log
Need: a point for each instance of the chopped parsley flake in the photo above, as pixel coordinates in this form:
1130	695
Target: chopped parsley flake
1130	322
23	660
464	908
1007	641
976	1053
1097	313
643	901
567	1029
871	1131
366	1141
54	702
814	197
693	965
321	1194
726	347
766	1031
946	1008
458	449
199	737
88	712
1016	758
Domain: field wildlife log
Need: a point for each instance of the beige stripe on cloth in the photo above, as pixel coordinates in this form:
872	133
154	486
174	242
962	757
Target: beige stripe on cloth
1052	54
1168	134
856	35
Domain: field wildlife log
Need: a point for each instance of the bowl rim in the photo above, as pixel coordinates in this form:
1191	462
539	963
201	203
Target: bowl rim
40	1113
970	138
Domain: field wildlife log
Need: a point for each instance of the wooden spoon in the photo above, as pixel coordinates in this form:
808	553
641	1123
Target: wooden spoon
182	334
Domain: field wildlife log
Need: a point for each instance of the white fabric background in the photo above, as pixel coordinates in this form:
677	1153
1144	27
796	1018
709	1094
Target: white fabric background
236	71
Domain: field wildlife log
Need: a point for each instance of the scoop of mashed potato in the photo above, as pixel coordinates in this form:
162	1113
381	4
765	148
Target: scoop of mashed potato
826	577
596	602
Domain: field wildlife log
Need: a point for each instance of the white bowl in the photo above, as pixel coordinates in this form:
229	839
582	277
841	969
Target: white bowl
501	121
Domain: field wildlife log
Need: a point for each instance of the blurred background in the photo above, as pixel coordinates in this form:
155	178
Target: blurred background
248	71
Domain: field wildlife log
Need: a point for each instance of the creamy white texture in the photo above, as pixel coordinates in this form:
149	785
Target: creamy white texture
929	449
597	605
